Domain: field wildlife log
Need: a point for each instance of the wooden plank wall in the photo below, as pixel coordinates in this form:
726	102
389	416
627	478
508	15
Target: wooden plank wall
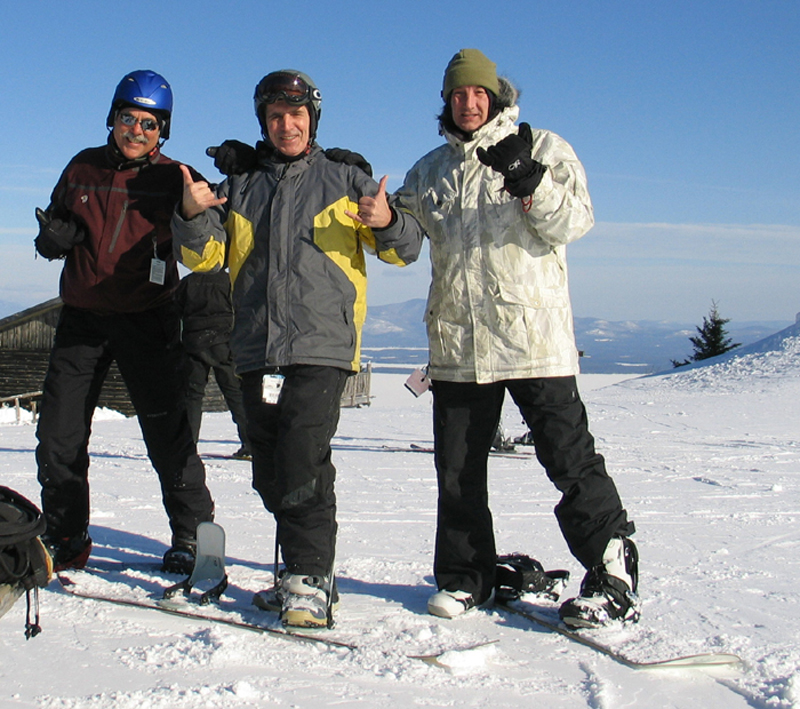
27	338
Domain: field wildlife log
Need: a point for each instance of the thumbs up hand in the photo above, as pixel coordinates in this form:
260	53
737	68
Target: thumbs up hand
374	211
197	196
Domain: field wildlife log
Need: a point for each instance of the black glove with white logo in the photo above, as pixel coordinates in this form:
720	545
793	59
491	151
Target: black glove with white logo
511	157
233	157
56	236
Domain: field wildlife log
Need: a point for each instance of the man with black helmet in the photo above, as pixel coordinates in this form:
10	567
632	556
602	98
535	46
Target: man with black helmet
108	219
296	254
500	202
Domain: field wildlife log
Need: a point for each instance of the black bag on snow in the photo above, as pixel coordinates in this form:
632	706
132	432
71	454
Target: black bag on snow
25	565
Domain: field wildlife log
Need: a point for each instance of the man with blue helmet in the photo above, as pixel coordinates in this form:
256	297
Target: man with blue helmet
108	219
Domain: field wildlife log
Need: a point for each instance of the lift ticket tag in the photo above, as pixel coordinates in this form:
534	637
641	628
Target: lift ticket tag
271	387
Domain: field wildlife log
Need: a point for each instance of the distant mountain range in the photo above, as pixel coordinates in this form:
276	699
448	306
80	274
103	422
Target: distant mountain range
394	335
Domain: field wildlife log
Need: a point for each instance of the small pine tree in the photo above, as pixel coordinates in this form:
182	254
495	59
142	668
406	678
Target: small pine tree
712	339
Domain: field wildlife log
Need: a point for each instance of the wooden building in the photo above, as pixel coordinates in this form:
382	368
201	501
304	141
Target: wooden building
26	339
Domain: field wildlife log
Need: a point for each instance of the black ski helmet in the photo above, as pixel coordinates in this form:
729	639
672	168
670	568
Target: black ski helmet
146	90
293	87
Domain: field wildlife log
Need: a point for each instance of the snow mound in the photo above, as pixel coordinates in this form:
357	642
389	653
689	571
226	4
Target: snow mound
768	362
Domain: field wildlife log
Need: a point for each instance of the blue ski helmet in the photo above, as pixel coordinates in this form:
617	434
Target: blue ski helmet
146	90
295	88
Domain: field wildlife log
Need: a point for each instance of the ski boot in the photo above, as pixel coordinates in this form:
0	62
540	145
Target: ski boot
608	591
308	601
68	552
180	557
451	604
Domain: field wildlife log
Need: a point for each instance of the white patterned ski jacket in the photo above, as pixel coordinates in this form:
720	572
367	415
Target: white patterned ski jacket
498	306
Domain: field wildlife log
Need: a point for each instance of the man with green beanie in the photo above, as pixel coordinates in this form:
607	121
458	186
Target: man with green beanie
500	202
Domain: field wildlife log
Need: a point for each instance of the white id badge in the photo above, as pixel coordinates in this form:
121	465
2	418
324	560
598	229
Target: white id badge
271	386
418	383
158	271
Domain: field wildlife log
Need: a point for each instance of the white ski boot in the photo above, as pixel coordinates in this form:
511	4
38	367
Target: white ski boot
608	591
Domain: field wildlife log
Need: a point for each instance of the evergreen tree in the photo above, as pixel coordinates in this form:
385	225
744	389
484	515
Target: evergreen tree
712	339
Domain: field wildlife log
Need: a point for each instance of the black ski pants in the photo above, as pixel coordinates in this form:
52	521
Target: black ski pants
292	467
150	358
465	418
217	358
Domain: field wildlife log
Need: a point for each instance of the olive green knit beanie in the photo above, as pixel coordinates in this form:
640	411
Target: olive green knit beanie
470	67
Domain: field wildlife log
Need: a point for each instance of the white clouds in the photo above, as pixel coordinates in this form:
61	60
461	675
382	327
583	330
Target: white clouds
24	278
618	271
674	271
18	231
659	271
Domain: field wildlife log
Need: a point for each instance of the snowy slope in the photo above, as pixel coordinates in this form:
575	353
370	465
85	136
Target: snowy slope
707	462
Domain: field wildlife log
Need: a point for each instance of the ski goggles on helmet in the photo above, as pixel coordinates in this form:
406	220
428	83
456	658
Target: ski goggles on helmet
148	125
288	87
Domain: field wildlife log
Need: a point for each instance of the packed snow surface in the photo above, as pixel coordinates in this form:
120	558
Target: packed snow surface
706	460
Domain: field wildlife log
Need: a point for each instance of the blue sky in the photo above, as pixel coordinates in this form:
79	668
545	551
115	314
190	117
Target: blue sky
685	115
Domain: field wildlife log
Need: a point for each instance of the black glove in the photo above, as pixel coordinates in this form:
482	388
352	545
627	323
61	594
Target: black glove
348	158
511	157
233	157
56	236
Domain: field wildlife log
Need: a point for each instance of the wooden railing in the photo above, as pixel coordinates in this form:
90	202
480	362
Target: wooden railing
17	398
357	388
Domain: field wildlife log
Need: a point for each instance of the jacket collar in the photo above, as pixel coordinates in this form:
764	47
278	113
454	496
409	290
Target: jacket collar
488	133
274	161
266	153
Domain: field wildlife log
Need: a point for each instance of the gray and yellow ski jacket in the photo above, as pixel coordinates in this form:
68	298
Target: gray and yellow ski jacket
297	261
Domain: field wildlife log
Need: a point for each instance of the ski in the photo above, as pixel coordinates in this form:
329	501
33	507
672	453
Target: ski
225	456
191	609
186	610
415	448
705	660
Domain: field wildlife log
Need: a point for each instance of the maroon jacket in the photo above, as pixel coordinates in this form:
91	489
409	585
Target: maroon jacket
125	209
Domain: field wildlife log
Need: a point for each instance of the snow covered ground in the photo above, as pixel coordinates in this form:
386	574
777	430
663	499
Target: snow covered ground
707	461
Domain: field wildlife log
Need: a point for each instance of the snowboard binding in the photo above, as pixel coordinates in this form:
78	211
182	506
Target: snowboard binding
209	565
518	575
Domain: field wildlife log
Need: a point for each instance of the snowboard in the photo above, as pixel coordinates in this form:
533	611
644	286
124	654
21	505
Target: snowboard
221	594
545	620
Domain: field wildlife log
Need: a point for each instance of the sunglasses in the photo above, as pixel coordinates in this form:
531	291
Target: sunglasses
148	125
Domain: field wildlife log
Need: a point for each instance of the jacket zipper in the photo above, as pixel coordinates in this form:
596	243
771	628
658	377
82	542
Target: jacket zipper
287	269
118	229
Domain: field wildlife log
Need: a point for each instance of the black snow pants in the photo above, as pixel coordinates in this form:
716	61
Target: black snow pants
292	467
147	350
465	418
219	359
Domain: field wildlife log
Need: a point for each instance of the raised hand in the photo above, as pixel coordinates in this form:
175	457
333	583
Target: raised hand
56	236
511	157
374	211
197	196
